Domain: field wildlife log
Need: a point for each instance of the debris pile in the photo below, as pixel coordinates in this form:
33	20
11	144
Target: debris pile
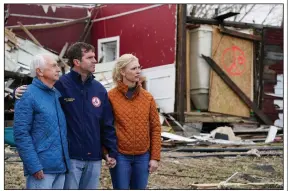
18	55
223	141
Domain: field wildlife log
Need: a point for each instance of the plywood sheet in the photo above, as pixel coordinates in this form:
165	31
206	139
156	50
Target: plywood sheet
235	57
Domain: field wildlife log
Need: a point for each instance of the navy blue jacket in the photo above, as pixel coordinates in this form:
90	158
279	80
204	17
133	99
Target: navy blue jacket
40	130
90	121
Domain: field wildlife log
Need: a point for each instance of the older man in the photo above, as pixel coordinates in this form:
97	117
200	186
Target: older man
40	128
90	121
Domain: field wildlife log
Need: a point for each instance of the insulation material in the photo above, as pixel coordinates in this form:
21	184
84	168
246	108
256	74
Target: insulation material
235	57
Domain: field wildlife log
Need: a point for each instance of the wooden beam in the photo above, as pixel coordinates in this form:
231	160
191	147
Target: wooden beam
188	101
216	119
208	114
49	25
194	20
180	61
60	57
231	149
237	185
90	27
255	70
239	34
209	117
225	16
11	36
63	51
192	26
29	34
228	154
237	90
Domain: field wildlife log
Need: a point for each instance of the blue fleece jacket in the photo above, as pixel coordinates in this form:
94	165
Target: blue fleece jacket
40	130
90	121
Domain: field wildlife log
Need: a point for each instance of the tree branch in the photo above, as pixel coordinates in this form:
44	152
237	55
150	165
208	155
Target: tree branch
247	13
242	6
268	14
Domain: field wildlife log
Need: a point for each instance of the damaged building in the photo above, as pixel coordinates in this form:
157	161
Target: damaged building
209	71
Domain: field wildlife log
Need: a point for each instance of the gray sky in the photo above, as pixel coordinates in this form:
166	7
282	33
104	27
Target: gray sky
256	13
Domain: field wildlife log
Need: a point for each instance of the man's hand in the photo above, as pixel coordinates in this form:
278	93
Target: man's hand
39	175
153	165
110	162
20	91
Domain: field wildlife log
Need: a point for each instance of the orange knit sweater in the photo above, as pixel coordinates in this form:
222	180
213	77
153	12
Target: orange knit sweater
137	121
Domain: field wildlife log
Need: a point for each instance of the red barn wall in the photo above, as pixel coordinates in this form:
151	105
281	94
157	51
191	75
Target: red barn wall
273	58
150	34
54	38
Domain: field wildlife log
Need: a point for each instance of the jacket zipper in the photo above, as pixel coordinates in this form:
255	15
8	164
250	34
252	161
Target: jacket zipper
133	125
81	130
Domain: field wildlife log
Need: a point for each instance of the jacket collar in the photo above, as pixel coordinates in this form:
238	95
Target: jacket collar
123	88
77	77
38	83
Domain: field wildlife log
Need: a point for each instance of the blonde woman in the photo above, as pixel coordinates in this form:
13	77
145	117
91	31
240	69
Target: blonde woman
137	124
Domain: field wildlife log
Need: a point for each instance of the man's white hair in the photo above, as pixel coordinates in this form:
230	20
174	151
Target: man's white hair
38	61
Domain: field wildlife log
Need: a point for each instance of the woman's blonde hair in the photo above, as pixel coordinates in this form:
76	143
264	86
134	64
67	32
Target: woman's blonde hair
121	63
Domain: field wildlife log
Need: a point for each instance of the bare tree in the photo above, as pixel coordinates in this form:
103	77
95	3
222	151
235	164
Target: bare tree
273	16
273	7
240	9
246	13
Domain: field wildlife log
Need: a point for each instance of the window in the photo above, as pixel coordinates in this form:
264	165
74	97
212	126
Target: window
108	49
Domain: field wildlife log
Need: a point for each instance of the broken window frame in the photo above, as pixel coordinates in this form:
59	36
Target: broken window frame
108	40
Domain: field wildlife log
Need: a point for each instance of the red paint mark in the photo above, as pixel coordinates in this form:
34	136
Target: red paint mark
238	65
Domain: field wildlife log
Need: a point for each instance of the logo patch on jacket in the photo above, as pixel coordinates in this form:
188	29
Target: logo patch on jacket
69	99
96	101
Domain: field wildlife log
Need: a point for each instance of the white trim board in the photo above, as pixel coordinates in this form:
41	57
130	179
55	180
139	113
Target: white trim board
109	39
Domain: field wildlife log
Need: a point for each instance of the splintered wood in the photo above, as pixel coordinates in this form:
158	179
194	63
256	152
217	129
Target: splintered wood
235	57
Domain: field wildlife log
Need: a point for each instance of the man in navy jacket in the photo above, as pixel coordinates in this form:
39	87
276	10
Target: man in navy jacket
90	122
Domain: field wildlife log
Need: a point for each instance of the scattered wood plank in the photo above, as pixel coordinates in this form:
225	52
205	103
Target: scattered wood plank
29	34
235	185
232	149
11	37
176	137
257	139
254	131
247	136
227	154
206	117
176	122
240	34
63	51
176	175
220	141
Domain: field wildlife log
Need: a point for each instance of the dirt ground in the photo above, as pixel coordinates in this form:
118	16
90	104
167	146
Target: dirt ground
181	173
